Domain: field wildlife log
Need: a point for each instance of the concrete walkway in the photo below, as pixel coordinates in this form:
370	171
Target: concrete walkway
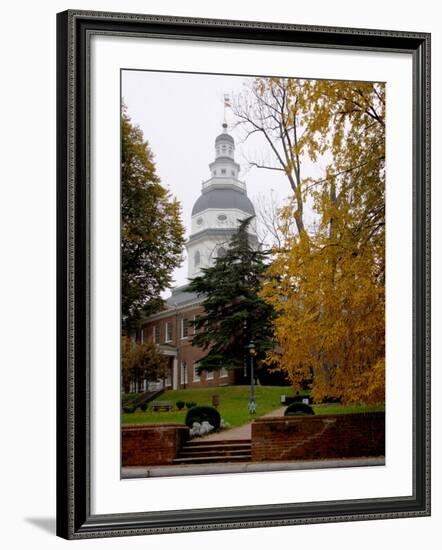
242	432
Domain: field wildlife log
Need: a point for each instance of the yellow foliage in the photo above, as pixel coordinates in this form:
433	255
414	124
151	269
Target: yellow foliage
327	283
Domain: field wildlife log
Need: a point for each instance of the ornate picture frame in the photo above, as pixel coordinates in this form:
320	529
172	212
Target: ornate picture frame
75	517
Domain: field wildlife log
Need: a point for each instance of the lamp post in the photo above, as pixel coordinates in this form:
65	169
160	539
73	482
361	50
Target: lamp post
252	352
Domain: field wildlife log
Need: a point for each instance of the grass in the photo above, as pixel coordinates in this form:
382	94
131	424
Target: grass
336	408
233	405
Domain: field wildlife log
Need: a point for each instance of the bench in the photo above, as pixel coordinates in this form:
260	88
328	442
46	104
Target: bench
162	406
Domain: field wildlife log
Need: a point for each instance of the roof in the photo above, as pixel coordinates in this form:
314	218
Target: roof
225	137
221	199
181	296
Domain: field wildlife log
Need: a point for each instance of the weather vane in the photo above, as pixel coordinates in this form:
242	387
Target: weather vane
226	106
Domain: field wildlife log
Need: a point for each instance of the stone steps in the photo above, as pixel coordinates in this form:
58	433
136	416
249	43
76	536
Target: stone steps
212	459
200	451
219	442
214	452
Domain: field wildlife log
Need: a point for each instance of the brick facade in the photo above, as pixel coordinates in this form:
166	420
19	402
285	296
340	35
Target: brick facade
318	437
172	331
151	445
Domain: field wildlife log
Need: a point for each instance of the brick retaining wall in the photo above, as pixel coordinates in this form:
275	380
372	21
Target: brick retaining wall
148	445
318	437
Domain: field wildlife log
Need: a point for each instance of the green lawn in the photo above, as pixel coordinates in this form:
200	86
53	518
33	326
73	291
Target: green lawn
336	408
233	405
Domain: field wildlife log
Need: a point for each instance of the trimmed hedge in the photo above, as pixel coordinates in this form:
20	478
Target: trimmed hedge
290	399
201	414
296	409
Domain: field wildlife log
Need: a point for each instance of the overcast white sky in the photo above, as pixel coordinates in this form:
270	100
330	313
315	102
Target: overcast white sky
181	115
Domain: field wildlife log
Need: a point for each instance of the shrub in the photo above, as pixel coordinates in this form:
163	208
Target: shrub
269	377
143	407
290	399
180	405
127	398
298	409
129	409
328	399
190	404
203	414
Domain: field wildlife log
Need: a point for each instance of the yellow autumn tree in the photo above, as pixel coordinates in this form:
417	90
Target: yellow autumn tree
141	361
326	282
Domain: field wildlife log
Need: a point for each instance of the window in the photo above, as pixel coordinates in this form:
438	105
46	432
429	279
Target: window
221	252
196	376
143	335
195	330
209	375
169	331
199	221
223	372
156	333
223	170
222	217
197	259
233	172
184	328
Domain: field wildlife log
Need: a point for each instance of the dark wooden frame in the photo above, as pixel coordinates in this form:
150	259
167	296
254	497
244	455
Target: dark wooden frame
74	519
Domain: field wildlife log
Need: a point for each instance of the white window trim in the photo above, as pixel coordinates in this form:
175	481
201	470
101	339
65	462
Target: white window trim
196	376
209	375
194	327
156	338
168	338
223	372
182	328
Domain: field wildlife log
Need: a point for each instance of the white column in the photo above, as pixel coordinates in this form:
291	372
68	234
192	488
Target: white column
175	374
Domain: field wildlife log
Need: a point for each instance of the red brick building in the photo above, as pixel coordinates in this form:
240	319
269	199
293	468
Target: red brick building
172	331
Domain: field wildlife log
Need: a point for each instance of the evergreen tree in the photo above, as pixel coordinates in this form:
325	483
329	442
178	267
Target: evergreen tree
234	314
152	234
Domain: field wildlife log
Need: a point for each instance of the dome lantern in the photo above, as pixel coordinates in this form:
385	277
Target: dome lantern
224	144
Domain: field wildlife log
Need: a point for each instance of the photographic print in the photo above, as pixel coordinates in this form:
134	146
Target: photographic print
252	273
243	273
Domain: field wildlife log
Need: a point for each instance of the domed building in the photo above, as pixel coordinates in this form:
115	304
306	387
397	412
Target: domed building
216	215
